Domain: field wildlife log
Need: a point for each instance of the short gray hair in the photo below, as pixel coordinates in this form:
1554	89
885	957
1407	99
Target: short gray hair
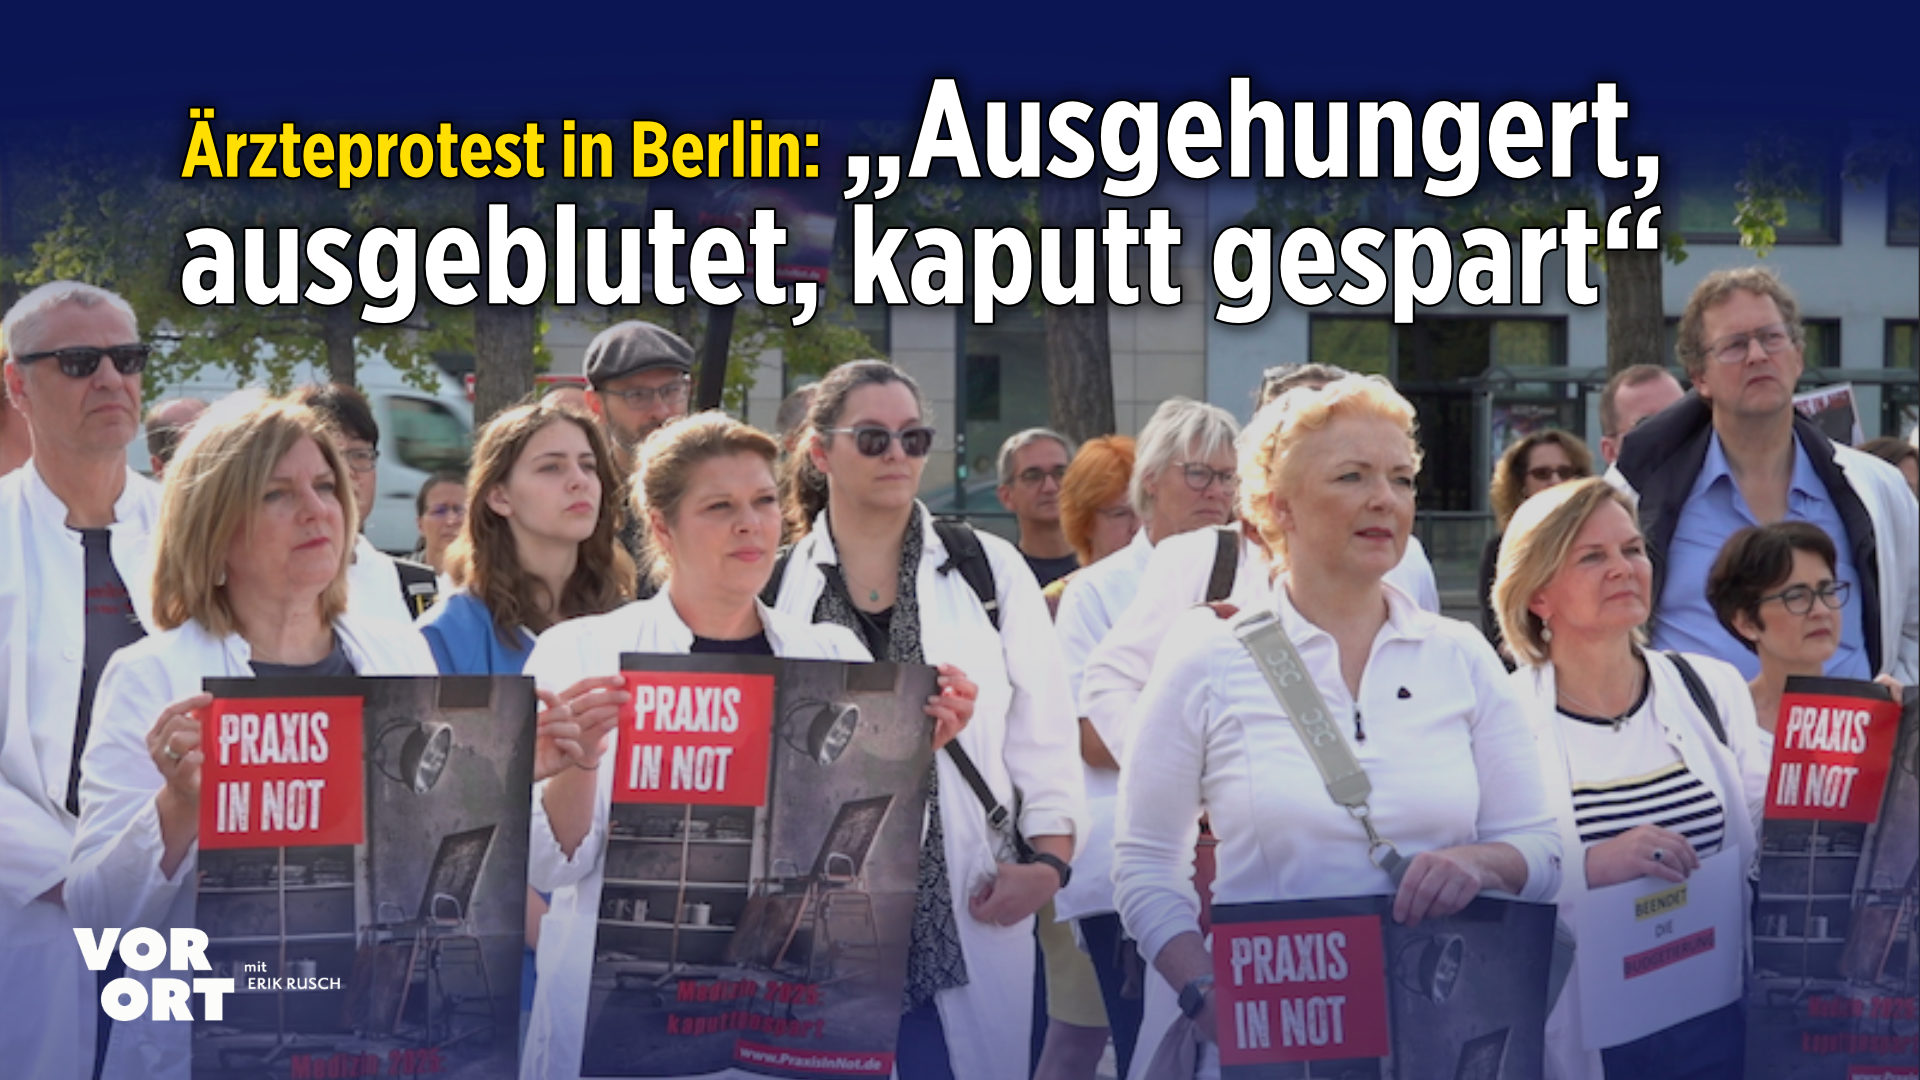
23	319
1178	426
1020	440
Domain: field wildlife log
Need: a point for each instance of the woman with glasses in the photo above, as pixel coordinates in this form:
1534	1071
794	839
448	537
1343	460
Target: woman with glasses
873	561
440	510
1530	466
706	488
1774	588
1644	784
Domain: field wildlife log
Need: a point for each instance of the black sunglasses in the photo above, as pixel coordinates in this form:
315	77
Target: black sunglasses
872	440
80	361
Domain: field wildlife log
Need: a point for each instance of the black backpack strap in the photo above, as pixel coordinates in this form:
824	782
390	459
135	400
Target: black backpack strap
999	818
965	554
1226	562
1701	699
770	595
419	586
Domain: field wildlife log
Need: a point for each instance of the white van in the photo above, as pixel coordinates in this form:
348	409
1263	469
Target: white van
421	432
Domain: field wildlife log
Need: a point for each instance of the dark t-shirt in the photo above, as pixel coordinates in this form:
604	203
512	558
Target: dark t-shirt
111	625
334	663
1046	570
757	645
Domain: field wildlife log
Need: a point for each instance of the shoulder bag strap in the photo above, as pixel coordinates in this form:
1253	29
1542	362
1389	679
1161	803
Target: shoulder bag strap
1259	631
1701	699
1226	562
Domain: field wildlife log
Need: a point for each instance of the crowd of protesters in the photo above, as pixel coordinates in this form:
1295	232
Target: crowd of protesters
1094	681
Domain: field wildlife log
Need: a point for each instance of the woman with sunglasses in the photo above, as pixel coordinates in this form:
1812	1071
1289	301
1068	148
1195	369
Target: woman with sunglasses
873	562
1774	588
1530	466
706	489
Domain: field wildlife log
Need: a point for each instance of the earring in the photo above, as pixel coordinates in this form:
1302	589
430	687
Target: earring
1546	632
220	579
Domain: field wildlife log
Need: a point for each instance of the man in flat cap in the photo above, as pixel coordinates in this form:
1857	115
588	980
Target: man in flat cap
638	379
638	375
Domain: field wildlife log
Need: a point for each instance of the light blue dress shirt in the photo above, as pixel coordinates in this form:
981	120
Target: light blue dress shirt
1714	511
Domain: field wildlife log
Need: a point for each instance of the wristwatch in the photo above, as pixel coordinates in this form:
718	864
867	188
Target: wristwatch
1193	996
1059	865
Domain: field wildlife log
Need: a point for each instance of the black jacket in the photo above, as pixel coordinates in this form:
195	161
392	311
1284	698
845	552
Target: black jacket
1662	458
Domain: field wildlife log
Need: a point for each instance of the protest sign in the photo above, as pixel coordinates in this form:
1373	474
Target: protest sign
1336	987
762	857
362	877
1835	989
1654	953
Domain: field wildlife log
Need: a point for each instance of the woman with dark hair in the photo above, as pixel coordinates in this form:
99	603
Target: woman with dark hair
1531	465
1775	589
440	513
873	561
706	490
538	545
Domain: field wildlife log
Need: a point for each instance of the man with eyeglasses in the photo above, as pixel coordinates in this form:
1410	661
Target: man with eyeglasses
1735	453
1030	467
378	584
75	527
639	376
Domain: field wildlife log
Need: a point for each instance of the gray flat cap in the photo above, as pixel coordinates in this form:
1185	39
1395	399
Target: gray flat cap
624	348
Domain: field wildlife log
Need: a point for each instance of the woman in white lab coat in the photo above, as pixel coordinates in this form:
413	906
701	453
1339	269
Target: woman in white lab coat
706	485
250	579
872	561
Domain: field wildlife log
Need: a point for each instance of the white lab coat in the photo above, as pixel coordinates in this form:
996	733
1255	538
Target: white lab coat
1175	579
46	992
1736	772
115	878
1092	601
1023	736
373	585
565	654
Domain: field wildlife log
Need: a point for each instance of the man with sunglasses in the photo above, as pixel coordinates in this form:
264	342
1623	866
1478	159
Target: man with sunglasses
75	525
1031	465
639	376
1734	453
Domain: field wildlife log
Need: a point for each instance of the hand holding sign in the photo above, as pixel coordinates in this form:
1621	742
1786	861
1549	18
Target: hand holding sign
174	745
1642	851
573	725
952	707
1439	883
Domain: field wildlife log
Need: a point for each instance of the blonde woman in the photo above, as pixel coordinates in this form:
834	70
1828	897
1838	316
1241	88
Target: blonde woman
257	520
1327	478
1641	782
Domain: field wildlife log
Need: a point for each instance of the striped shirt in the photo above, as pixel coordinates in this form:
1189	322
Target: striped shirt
1626	774
1671	797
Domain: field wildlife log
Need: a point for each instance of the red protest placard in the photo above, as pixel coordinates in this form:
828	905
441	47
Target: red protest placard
281	772
1300	990
694	737
1832	747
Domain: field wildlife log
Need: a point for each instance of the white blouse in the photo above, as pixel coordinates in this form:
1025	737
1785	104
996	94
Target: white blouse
1447	746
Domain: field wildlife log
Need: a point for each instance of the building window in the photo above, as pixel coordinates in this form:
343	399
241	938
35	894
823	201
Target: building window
1903	205
1362	345
1900	400
1704	184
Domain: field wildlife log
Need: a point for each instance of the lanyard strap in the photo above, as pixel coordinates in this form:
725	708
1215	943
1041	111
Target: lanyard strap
1277	659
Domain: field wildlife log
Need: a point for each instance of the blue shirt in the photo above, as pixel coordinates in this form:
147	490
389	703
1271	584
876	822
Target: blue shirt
459	630
1714	511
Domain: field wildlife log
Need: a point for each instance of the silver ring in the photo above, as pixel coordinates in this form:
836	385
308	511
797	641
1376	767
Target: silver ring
1659	855
172	754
